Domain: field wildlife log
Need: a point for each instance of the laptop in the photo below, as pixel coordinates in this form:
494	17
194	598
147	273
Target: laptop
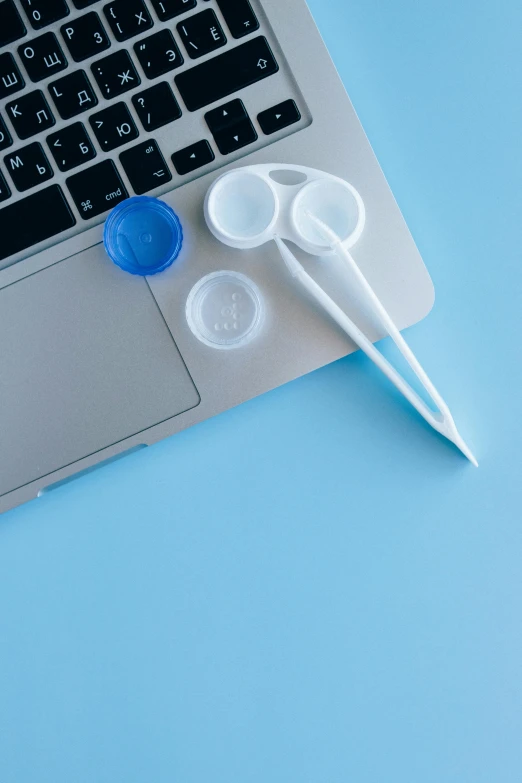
102	101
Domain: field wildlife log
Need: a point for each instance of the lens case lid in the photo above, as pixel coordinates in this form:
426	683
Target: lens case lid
247	207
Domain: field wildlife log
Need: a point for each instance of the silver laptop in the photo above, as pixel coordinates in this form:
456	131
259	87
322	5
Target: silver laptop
102	101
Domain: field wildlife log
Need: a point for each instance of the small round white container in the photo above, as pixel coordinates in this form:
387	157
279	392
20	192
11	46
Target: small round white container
225	310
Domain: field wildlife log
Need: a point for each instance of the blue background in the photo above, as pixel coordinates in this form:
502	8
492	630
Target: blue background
313	587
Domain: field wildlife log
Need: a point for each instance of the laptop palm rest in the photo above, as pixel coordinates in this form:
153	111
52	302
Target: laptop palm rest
87	361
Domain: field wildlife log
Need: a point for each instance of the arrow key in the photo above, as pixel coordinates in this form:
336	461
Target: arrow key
279	117
70	147
234	137
229	114
193	157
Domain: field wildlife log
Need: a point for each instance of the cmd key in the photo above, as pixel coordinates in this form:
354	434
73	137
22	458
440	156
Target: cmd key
227	73
96	190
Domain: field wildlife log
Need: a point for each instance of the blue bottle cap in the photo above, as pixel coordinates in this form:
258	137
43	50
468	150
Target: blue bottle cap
143	235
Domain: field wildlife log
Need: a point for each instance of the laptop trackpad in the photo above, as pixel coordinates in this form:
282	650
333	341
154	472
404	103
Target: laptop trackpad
86	360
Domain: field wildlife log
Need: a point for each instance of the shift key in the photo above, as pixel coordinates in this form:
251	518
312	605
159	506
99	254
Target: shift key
227	73
97	189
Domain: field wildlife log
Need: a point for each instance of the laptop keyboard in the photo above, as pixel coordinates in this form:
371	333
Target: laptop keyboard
127	97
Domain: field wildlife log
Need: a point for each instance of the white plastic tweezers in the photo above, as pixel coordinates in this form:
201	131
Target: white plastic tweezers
442	420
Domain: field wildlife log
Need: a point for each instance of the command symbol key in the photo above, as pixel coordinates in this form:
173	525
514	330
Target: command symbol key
97	189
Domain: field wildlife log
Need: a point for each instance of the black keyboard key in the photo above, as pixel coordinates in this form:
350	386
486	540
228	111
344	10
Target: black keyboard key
43	215
97	189
127	18
73	94
229	114
145	167
85	36
28	167
279	117
113	126
201	33
42	57
115	74
71	147
239	16
228	73
193	157
80	4
158	54
43	12
30	114
5	136
156	106
11	80
234	137
5	193
11	26
168	9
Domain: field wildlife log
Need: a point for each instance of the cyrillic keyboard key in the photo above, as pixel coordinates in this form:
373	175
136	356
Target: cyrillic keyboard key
4	188
115	74
127	18
158	54
168	9
145	167
71	147
279	117
85	36
113	126
30	114
193	157
11	80
97	189
43	215
239	16
229	72
43	12
201	33
73	94
11	26
42	57
28	167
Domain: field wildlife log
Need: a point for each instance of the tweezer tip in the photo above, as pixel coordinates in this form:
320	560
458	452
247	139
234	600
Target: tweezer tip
466	451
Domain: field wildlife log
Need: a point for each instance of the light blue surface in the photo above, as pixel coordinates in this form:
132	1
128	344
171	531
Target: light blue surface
312	588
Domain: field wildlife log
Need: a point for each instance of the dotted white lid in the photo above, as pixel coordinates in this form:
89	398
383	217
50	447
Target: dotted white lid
225	310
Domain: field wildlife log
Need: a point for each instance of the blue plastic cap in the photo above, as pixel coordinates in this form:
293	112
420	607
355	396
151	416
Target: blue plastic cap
143	235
